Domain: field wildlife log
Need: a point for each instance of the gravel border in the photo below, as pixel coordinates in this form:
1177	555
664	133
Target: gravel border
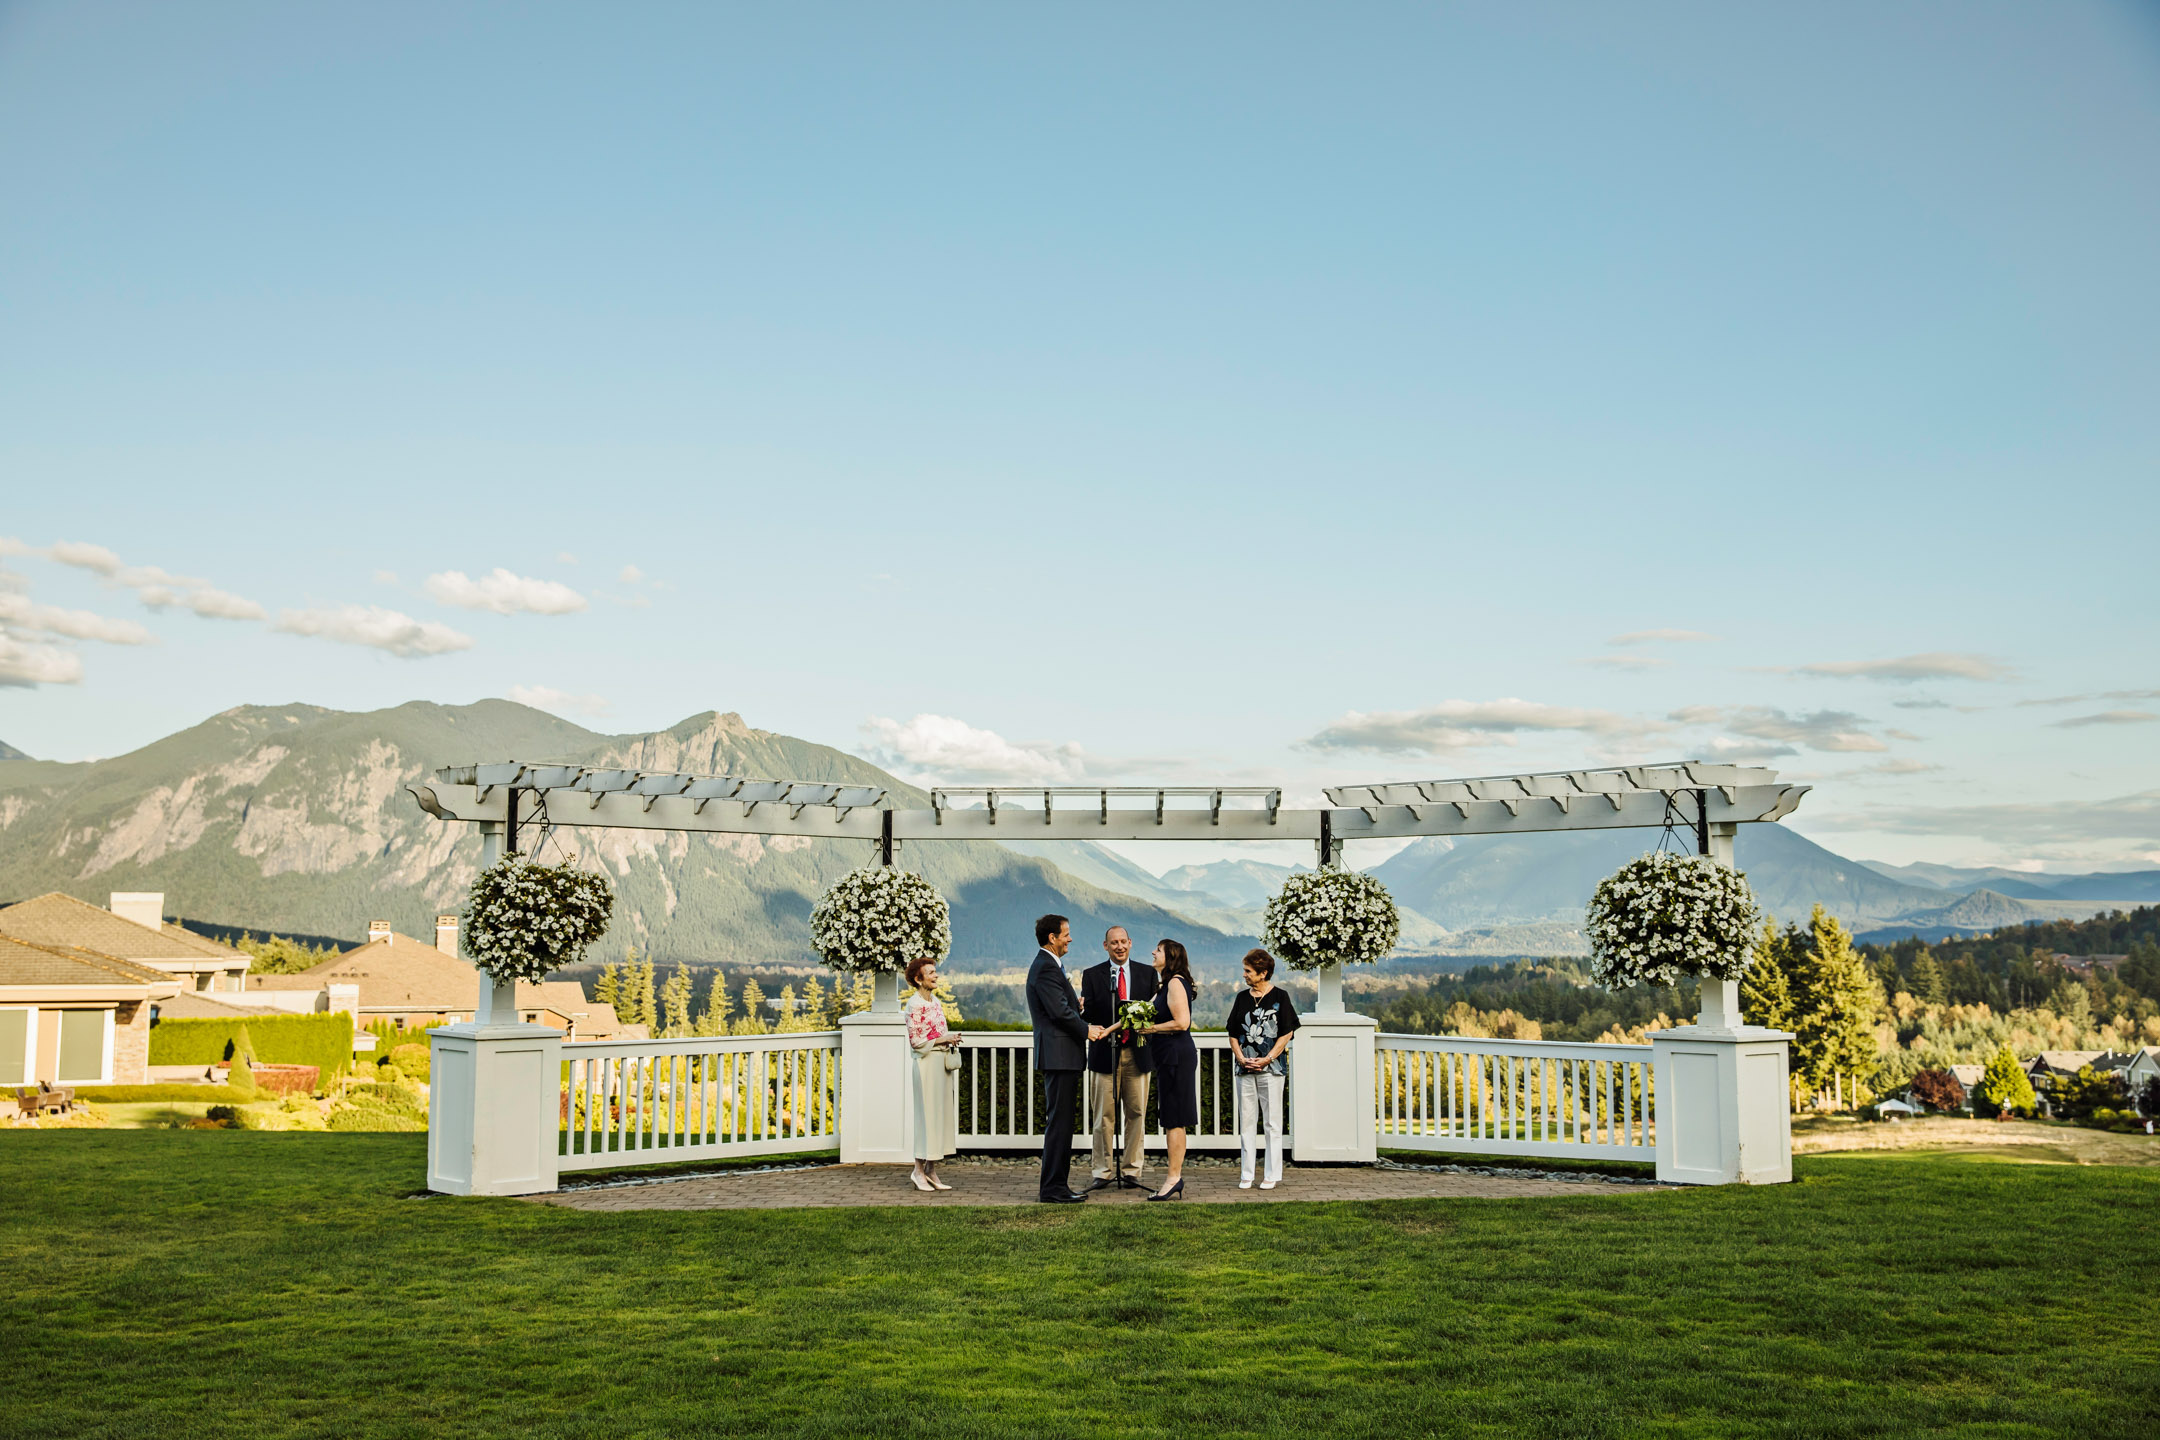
1517	1172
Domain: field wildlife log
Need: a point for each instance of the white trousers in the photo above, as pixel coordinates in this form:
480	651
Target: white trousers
1258	1097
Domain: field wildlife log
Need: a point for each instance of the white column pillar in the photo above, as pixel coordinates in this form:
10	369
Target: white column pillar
1331	1087
877	1110
1723	1117
494	1091
494	1109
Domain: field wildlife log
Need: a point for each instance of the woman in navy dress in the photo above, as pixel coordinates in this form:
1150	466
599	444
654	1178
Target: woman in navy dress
1177	1069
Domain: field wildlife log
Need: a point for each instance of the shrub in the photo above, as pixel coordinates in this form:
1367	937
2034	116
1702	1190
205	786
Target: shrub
157	1094
411	1060
324	1041
1938	1090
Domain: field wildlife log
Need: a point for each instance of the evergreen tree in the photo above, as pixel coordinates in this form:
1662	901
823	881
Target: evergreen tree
860	993
675	1002
1766	990
639	1005
1835	1000
1927	984
712	1020
791	1020
2004	1085
753	1004
813	1005
607	990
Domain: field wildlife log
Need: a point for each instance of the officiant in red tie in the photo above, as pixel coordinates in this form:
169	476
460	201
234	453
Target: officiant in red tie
1118	1069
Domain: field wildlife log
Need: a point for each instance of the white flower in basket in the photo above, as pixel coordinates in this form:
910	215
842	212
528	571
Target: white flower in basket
1331	917
1663	916
879	918
527	919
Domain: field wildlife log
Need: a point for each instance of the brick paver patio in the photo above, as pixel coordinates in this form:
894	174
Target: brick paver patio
1012	1182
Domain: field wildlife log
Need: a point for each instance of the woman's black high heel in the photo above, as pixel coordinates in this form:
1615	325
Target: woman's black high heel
1175	1192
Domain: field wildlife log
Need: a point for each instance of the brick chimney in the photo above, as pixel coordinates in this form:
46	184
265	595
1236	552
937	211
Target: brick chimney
144	907
378	930
446	934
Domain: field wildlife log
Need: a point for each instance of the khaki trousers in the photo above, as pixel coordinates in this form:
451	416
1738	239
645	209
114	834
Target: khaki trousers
1127	1088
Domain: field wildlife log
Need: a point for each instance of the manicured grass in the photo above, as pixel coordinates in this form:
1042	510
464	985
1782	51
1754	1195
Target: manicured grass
235	1284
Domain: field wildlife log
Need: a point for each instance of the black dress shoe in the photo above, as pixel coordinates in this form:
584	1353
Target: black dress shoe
1102	1183
1067	1198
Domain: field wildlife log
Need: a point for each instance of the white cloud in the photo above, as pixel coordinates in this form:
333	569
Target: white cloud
2108	717
2101	695
374	626
939	748
1828	730
1934	665
631	575
546	697
23	664
19	614
386	577
1638	637
1454	725
2025	827
504	593
564	557
157	588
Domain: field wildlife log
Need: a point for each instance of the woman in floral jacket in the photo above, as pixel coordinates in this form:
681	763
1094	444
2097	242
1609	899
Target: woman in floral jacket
936	1046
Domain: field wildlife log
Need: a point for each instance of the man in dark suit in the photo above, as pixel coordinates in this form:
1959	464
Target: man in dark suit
1118	1069
1061	1037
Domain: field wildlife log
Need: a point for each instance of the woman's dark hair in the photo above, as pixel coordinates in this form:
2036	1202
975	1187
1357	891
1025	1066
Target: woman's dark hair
916	966
1260	963
1173	958
1046	928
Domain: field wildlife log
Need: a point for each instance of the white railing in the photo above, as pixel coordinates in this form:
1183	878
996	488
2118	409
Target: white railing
652	1102
1515	1097
1001	1101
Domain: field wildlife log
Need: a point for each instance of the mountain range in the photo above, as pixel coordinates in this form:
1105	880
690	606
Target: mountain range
295	819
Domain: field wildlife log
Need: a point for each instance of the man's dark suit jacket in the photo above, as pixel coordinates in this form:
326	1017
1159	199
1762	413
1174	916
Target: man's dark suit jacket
1098	1005
1060	1032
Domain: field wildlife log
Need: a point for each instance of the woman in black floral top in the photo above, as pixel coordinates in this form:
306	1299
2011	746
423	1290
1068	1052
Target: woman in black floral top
1262	1020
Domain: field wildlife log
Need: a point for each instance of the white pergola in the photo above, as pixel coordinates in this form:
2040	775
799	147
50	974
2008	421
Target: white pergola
1720	1084
1707	799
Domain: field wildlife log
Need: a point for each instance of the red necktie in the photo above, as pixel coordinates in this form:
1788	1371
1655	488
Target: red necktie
1124	1037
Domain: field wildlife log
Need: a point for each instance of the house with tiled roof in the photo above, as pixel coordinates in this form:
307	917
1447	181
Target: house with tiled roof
134	928
416	986
73	1016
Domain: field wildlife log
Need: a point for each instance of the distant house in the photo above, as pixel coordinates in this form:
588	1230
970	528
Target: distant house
73	1016
133	929
2084	965
415	986
1968	1078
2048	1066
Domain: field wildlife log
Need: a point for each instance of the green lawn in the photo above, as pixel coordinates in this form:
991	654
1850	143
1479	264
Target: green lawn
233	1284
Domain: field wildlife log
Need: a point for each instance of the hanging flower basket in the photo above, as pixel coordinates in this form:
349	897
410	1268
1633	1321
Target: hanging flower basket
1664	915
528	919
1331	917
879	918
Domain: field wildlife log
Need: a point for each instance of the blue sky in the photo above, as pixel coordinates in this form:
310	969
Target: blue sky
1099	394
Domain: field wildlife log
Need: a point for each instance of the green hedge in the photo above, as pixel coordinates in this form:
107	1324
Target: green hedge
148	1094
324	1041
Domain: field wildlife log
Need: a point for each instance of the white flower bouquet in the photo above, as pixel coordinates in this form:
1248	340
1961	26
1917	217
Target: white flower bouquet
1331	917
526	920
879	918
1663	916
1133	1017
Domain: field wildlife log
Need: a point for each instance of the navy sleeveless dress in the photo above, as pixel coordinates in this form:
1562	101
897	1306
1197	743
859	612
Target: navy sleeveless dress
1177	1091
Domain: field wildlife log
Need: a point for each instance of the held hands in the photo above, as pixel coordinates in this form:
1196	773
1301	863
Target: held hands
1098	1032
